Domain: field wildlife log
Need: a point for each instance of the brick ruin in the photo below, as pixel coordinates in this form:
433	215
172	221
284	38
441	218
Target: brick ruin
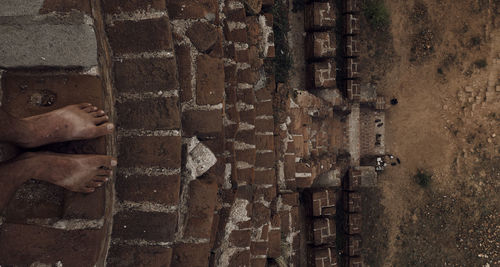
219	165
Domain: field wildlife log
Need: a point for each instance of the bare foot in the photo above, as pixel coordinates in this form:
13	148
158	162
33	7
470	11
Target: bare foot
78	173
75	122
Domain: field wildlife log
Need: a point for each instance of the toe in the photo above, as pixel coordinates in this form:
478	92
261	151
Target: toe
90	109
98	113
100	120
105	173
94	184
107	163
104	129
84	105
88	189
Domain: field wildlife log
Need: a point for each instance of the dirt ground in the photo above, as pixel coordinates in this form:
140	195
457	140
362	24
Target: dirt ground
438	57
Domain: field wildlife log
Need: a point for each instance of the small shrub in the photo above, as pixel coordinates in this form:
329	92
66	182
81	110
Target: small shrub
440	70
423	178
475	41
377	14
480	63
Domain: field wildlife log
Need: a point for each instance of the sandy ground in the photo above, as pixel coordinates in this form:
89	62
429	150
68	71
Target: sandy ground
445	123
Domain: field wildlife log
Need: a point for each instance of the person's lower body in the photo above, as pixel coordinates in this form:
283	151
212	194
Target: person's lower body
79	173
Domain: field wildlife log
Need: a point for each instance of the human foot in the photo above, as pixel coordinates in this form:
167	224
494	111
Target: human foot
74	122
78	173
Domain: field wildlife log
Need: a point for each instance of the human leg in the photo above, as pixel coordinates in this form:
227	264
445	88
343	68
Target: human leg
74	122
79	173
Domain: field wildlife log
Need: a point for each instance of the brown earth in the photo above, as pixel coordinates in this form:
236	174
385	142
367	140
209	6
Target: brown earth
433	52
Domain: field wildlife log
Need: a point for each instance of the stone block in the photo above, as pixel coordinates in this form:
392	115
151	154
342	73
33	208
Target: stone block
210	80
161	189
151	226
265	177
203	36
353	224
192	9
20	7
244	176
183	56
264	142
352	202
264	108
320	45
352	6
160	113
247	116
264	125
235	15
259	248
126	255
351	26
354	262
150	151
319	16
261	215
258	262
248	76
240	238
189	254
146	75
118	6
84	206
201	203
32	94
35	199
353	181
322	74
64	45
247	155
235	34
352	46
325	257
265	160
353	88
66	6
201	121
291	199
353	245
240	258
150	35
352	68
266	193
324	231
324	203
246	136
21	245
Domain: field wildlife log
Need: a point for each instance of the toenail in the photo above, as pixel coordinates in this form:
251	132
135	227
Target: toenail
110	126
113	163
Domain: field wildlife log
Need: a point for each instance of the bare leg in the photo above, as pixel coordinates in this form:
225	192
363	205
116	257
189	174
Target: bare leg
75	122
79	173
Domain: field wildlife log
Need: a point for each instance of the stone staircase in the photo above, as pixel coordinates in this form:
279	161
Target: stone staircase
218	164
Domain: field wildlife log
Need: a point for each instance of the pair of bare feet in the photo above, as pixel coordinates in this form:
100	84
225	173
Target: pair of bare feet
79	173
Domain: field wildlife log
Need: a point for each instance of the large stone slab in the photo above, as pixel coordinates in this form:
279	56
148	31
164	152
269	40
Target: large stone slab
47	41
20	7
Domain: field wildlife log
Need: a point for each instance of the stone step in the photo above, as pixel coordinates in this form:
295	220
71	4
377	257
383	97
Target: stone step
62	42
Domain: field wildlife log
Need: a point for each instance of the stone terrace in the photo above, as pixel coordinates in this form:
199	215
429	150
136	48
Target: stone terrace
218	165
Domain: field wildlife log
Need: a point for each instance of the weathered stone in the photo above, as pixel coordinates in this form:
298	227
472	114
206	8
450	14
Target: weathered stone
203	35
20	7
55	45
